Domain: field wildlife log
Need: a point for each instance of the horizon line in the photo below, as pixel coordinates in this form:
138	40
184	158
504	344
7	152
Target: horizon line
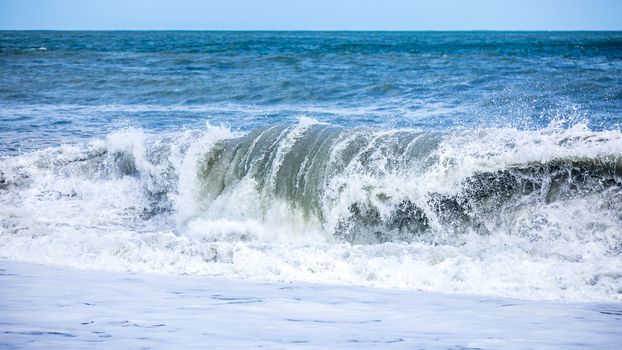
311	30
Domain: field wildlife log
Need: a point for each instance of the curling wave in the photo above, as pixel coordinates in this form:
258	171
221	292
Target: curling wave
532	214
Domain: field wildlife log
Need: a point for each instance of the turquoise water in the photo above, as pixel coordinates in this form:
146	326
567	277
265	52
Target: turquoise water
60	86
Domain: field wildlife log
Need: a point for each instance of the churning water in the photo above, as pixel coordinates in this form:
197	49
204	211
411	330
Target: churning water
485	163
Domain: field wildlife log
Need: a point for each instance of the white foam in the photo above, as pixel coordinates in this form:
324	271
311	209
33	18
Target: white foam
64	207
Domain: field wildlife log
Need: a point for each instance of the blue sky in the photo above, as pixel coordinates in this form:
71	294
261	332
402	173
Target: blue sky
313	15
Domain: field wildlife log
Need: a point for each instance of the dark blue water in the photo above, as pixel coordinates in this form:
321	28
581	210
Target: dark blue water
60	87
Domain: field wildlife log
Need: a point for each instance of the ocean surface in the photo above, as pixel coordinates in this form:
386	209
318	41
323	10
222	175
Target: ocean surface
427	169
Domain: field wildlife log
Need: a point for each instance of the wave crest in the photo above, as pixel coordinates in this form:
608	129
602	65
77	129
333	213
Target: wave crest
461	210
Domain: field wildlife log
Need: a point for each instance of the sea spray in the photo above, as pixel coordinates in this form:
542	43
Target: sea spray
531	214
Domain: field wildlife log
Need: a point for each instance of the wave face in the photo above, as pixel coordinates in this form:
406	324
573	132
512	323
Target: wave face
530	214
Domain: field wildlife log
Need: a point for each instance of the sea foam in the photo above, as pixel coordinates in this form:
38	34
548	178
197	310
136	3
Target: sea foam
529	214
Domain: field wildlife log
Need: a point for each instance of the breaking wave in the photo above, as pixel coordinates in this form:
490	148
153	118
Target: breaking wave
530	214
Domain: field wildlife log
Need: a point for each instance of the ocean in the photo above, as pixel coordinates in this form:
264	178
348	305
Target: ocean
438	190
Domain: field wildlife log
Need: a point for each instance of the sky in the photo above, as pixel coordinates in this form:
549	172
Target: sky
312	15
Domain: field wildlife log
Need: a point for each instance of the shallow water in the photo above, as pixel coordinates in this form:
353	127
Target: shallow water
46	307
